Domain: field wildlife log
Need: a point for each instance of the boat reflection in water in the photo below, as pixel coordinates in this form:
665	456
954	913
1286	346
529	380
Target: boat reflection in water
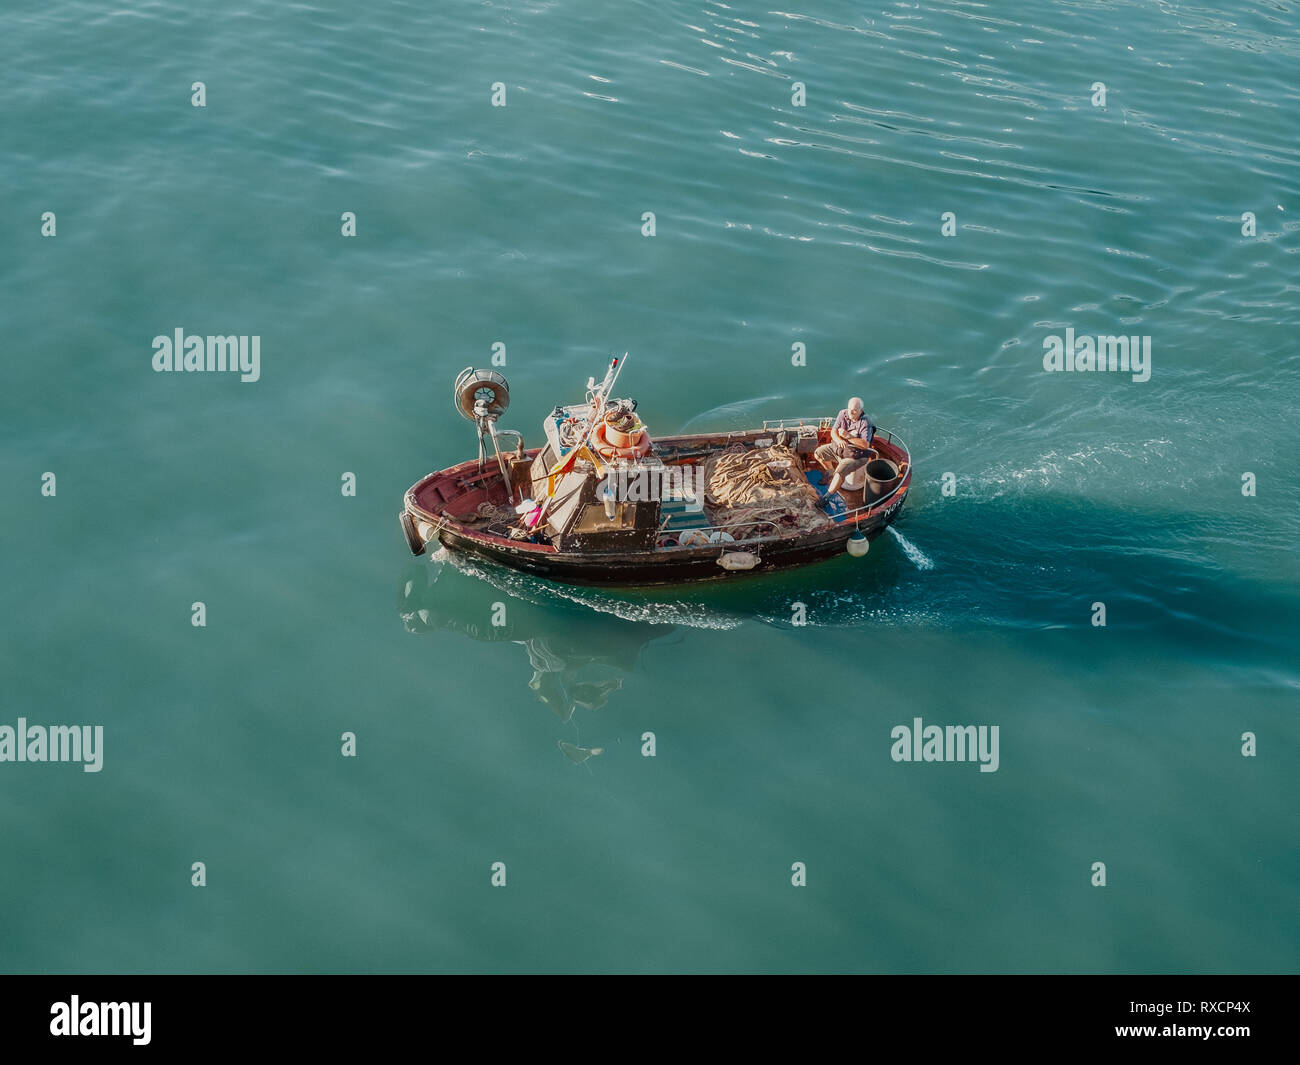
579	656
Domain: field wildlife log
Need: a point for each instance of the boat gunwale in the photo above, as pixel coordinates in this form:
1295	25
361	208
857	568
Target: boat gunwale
841	526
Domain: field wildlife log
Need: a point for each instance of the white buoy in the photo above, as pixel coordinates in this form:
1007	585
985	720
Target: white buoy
858	545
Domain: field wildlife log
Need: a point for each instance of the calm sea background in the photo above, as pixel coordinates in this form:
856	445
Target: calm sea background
776	225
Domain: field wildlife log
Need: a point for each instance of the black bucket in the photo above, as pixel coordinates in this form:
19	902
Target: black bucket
882	476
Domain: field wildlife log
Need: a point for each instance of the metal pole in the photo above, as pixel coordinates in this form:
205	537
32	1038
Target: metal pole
505	477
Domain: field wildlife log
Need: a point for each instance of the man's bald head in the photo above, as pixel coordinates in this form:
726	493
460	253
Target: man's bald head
855	405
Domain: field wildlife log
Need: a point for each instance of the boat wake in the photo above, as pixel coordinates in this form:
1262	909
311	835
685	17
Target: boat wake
531	590
1141	464
919	558
736	415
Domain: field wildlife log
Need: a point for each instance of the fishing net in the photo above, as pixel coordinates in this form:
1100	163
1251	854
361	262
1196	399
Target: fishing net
748	488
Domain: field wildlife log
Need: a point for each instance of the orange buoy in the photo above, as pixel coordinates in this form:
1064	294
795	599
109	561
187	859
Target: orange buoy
623	437
606	448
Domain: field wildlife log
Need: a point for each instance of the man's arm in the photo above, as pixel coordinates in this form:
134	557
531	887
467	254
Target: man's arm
862	442
859	442
840	434
837	430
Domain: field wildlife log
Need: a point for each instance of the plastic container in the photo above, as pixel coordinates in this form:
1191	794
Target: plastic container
882	476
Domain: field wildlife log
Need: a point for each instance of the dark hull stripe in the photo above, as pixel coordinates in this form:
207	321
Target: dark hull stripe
668	567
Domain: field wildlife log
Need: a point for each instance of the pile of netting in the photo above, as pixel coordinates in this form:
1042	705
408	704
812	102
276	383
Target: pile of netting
760	492
489	514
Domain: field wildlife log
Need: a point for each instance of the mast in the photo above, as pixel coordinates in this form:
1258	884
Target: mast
599	395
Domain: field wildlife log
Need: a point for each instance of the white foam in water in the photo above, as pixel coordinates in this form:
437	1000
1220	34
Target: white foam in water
918	557
1087	467
691	615
738	413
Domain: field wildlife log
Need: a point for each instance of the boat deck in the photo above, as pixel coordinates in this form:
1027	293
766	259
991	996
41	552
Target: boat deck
852	499
677	518
479	501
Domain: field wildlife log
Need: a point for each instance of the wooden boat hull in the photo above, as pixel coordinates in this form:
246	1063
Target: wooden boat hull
616	570
456	486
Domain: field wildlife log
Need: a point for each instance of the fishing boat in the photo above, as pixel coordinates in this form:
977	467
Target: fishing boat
602	502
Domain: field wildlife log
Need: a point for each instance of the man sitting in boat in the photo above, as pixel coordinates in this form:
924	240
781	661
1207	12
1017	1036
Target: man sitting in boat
850	448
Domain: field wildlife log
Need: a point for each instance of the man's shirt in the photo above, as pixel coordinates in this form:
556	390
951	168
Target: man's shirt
861	427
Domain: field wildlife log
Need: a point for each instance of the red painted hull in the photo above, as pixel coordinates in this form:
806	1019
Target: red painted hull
440	503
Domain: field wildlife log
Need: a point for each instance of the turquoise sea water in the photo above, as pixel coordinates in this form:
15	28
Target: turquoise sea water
775	224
